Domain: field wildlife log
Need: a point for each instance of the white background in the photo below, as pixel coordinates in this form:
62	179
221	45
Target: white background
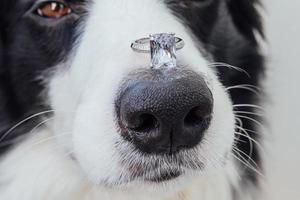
282	20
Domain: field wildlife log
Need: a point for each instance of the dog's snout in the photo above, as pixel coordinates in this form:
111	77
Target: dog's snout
164	113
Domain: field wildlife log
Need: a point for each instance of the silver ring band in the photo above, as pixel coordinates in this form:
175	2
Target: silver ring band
143	45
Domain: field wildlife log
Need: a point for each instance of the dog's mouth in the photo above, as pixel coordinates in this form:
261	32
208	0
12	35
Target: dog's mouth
166	176
156	175
162	169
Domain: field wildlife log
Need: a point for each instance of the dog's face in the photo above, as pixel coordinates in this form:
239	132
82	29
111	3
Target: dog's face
122	122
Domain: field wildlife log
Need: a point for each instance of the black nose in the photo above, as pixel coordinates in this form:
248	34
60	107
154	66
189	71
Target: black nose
163	113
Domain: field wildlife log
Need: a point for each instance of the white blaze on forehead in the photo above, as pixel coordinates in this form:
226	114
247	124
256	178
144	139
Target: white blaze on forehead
113	25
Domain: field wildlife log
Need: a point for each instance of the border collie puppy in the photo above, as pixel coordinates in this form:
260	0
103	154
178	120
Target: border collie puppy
84	117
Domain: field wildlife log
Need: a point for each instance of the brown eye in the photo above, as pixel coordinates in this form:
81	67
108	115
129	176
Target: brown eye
53	9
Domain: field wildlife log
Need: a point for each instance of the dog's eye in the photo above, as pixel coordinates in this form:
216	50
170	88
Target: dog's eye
53	9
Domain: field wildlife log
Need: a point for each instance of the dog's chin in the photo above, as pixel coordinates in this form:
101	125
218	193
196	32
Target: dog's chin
161	168
163	184
160	182
150	177
154	177
128	167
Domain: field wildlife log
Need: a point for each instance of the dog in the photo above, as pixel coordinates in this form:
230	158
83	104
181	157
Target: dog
82	116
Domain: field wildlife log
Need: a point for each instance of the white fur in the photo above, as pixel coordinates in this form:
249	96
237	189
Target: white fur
82	93
38	169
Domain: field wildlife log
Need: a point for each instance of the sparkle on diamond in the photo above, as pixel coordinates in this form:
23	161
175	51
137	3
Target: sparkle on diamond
163	50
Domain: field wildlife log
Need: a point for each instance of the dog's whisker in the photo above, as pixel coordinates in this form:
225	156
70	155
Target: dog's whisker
250	113
245	130
20	138
245	165
250	88
251	119
246	134
249	137
242	160
248	130
239	121
237	139
252	140
248	105
50	138
249	159
247	85
23	121
222	64
250	143
41	124
13	141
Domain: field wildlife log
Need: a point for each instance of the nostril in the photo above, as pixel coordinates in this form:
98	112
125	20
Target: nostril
197	116
145	123
193	117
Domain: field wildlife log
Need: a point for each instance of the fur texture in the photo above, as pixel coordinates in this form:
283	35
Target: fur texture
59	79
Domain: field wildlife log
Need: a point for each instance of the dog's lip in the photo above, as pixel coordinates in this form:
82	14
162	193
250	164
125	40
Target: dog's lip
140	172
167	176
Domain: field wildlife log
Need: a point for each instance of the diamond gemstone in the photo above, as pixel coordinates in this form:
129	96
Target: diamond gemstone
163	50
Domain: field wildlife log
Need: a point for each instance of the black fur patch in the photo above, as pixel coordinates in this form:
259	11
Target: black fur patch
30	46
